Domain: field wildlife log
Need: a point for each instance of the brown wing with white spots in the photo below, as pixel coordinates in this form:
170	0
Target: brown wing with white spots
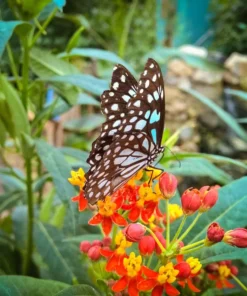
114	106
125	157
146	111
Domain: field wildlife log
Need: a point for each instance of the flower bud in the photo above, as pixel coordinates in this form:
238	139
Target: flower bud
212	267
225	262
146	245
168	185
97	243
184	270
236	237
162	241
94	253
234	270
209	197
134	232
191	201
106	241
215	233
85	246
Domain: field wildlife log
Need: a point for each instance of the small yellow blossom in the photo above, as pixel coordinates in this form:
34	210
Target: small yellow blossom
106	207
77	178
132	264
224	271
167	274
195	264
175	211
137	177
122	243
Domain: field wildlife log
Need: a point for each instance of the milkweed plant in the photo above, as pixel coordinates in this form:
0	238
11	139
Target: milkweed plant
139	255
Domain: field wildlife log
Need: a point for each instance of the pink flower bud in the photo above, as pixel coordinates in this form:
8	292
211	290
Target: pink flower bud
168	185
236	237
184	270
191	201
225	262
146	245
215	233
97	243
162	241
209	197
94	253
212	267
106	241
134	232
85	246
234	270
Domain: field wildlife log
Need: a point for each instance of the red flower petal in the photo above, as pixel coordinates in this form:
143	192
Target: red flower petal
120	285
119	220
134	214
219	285
158	291
228	284
192	286
158	212
147	285
106	253
82	203
106	225
112	263
97	219
170	290
132	288
181	283
180	258
118	201
76	198
120	269
149	272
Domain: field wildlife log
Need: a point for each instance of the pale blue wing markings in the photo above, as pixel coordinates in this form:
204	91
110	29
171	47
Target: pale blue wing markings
147	114
145	144
141	124
154	117
154	135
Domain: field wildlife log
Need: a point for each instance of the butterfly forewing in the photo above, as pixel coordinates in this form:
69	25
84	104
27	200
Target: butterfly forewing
126	156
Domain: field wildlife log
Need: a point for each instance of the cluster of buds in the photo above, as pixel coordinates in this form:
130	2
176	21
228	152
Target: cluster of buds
142	256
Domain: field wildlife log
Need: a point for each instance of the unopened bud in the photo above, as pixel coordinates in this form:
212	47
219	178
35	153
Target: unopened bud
134	232
85	246
236	237
168	185
191	201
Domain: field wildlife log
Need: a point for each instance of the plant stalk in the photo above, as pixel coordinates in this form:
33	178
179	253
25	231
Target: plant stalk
167	224
178	231
193	245
239	282
190	227
192	250
13	66
29	181
25	73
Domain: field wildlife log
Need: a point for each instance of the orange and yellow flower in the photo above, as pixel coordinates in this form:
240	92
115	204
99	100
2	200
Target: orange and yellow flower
107	215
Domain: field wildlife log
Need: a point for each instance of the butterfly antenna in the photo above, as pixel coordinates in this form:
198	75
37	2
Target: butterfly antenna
163	154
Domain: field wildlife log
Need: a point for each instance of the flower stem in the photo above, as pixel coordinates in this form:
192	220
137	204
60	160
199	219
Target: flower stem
190	227
193	245
239	282
13	66
25	73
28	255
150	260
192	250
163	250
178	231
114	233
167	224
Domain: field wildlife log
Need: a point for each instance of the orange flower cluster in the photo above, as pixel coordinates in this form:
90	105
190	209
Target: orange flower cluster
140	257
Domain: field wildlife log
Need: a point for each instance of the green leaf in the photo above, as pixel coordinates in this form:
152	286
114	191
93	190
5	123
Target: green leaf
239	93
2	133
212	157
6	30
10	199
76	153
99	54
73	41
58	217
59	169
79	290
17	110
19	218
200	168
63	260
46	208
84	124
223	115
86	82
80	238
22	285
6	116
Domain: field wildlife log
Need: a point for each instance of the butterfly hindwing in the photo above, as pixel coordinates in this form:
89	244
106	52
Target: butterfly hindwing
126	156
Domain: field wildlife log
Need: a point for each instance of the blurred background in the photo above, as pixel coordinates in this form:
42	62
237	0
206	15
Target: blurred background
201	47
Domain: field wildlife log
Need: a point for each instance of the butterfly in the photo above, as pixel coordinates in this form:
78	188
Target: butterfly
130	139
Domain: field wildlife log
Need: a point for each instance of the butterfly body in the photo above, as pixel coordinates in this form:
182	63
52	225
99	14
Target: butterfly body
130	138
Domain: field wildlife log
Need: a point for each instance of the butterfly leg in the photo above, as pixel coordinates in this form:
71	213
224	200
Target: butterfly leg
152	169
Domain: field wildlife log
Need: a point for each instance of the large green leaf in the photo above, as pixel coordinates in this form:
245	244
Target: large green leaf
59	169
23	286
62	259
212	157
79	238
84	124
238	93
19	218
6	30
223	115
99	54
76	153
86	82
10	199
80	290
200	168
17	110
